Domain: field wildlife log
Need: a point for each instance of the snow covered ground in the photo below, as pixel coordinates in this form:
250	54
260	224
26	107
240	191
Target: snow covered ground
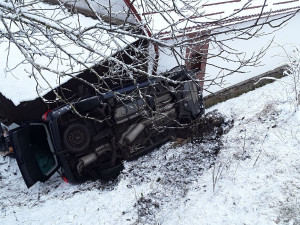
255	179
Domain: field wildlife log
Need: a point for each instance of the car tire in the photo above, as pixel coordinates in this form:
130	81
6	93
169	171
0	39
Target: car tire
76	138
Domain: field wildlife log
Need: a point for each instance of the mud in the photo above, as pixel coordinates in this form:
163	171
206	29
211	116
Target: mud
172	169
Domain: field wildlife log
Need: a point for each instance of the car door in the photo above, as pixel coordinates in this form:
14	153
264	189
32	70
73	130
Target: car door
34	152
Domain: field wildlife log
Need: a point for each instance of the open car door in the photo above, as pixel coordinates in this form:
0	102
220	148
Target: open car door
34	152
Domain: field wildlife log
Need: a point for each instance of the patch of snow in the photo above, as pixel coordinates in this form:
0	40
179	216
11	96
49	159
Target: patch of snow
114	8
177	16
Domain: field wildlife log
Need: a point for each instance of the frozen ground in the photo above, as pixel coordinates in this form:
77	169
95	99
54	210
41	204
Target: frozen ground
255	179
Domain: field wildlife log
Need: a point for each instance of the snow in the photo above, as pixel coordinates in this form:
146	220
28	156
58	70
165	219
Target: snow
193	13
253	180
250	191
119	9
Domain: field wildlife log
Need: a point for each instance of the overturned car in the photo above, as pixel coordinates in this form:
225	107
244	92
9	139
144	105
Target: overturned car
89	138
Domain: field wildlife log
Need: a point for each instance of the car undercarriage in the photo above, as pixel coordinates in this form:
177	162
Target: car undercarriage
89	138
100	135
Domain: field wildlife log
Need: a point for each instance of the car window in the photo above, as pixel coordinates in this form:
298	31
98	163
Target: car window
41	149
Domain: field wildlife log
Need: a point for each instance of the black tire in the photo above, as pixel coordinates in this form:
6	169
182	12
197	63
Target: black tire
76	138
87	105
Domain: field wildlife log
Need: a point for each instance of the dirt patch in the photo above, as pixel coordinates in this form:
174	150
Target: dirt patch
172	169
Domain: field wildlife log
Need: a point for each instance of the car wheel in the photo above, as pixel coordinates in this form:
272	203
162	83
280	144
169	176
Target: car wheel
76	138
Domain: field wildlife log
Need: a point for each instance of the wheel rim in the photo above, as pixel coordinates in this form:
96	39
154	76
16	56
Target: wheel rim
77	138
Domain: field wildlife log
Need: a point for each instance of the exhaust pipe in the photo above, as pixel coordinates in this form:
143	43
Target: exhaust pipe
131	134
92	157
134	133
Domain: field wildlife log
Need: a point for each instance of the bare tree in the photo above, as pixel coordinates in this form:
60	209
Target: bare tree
125	43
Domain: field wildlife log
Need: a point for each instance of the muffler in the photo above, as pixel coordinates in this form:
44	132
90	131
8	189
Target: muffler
92	157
